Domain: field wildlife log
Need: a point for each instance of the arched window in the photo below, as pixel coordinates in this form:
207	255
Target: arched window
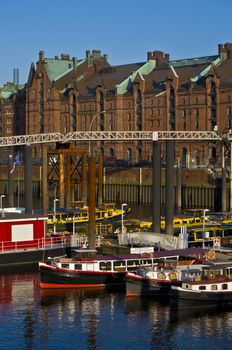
197	119
129	154
184	156
101	111
172	115
197	157
74	113
213	99
139	122
129	121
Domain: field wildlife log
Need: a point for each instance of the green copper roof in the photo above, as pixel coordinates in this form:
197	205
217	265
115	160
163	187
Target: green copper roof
56	68
174	71
206	70
191	61
142	71
8	90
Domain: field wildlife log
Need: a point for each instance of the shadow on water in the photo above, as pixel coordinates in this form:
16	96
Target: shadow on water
178	310
50	297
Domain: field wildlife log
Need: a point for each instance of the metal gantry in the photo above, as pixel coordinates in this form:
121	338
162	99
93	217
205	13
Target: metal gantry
34	139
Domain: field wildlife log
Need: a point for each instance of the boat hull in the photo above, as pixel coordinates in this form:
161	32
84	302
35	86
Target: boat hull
202	296
146	287
59	278
18	259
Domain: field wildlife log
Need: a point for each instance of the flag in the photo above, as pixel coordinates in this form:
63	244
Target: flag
16	162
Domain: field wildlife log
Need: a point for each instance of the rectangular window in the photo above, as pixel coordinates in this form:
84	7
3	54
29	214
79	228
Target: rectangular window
105	266
214	287
119	265
202	287
78	267
65	266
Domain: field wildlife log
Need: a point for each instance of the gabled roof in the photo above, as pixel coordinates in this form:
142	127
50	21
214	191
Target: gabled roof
108	78
144	70
56	68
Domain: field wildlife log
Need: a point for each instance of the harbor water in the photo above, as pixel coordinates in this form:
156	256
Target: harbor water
32	319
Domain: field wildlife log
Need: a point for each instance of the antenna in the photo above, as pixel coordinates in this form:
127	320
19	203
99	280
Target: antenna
16	76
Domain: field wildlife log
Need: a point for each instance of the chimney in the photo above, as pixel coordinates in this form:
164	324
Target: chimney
222	52
65	57
158	56
228	47
41	56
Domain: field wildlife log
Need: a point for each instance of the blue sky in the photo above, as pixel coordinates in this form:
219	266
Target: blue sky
123	29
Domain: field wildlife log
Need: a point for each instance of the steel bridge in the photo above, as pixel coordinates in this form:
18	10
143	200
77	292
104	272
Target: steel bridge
89	136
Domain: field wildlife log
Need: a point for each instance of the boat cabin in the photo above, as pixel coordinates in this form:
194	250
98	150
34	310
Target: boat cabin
22	231
106	263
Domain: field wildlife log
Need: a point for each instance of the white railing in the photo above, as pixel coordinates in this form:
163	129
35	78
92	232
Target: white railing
41	243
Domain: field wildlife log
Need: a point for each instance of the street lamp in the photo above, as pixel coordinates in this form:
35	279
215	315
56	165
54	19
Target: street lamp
123	205
54	211
90	125
204	211
2	207
74	224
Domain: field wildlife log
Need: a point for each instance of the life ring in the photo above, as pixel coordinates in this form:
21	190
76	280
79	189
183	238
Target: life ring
230	241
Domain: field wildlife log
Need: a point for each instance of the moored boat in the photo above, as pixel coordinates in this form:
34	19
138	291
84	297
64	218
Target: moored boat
158	281
24	241
215	284
80	215
90	271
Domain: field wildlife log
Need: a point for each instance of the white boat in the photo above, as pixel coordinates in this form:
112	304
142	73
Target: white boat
157	281
215	284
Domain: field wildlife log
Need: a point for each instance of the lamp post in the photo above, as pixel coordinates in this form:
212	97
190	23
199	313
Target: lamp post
54	211
123	205
2	207
73	224
90	126
204	211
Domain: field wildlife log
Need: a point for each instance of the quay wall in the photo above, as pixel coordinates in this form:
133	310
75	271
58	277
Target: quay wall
199	189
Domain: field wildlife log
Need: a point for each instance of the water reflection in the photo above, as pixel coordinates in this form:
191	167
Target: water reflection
92	319
183	322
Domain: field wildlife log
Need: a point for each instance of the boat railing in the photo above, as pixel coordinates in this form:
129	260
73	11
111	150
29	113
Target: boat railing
41	243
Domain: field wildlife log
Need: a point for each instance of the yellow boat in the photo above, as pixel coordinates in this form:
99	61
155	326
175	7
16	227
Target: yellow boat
177	222
81	215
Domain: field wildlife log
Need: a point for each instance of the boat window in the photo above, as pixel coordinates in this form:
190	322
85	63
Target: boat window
147	262
225	286
214	287
65	266
199	235
161	275
105	265
78	267
132	264
202	287
119	265
172	276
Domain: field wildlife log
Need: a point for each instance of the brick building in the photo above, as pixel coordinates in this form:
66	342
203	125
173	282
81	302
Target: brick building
65	94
